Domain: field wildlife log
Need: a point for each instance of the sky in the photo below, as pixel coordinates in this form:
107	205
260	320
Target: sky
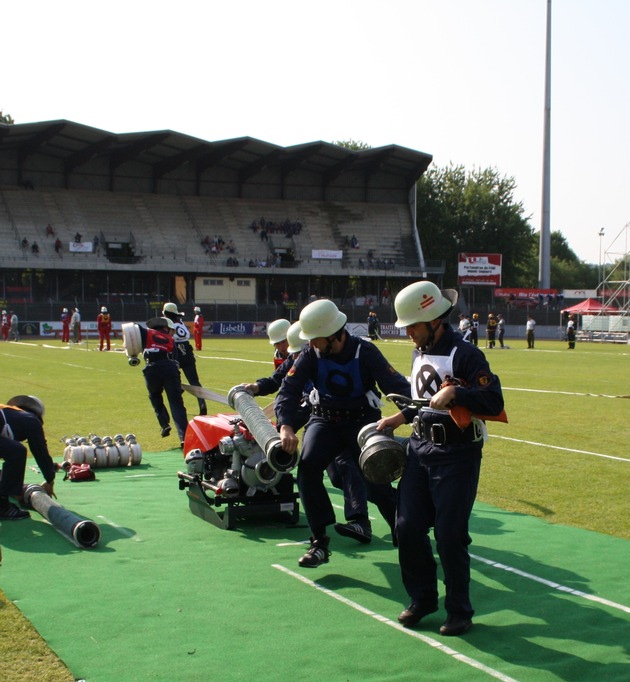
462	80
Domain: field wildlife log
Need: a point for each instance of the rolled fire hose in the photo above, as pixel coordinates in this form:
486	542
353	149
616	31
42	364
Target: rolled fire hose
82	532
262	429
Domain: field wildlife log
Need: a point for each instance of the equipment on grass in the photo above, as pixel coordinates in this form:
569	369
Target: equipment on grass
103	452
235	461
82	532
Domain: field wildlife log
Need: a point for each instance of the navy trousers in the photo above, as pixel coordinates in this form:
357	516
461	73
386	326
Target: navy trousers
439	497
163	377
14	455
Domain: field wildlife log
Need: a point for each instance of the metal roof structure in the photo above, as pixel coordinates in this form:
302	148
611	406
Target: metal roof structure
70	148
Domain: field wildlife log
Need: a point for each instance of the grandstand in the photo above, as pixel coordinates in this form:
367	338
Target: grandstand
148	207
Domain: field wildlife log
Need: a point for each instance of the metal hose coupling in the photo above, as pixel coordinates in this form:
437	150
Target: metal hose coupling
382	458
262	429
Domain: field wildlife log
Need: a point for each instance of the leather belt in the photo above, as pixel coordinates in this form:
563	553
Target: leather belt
442	434
333	415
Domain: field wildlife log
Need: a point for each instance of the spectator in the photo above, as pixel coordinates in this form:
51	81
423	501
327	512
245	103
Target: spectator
25	243
14	332
35	248
75	323
530	326
500	330
50	230
96	242
78	237
58	246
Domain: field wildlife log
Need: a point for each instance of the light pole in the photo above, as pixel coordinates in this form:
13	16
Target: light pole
601	271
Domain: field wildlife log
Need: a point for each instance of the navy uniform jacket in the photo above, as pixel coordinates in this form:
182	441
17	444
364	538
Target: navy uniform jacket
480	393
374	370
25	426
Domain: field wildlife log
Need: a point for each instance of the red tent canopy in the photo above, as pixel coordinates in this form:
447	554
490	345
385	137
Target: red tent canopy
590	307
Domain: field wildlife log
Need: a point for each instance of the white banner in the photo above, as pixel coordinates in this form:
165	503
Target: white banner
80	247
326	253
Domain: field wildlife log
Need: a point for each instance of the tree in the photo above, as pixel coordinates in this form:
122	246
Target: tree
475	212
354	145
6	118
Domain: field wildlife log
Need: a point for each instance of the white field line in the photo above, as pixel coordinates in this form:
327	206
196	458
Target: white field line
541	390
558	447
552	584
467	660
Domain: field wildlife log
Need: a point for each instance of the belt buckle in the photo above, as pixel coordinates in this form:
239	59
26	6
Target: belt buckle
438	434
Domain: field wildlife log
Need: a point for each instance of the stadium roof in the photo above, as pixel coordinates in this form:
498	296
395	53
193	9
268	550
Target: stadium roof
164	151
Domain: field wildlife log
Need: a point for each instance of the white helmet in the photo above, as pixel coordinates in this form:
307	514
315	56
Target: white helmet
65	310
277	331
422	302
293	337
30	403
103	309
320	319
196	309
171	308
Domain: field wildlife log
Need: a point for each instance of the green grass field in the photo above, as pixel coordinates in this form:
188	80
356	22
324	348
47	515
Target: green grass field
563	456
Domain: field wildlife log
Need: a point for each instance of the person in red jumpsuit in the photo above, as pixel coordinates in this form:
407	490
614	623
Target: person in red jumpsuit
65	326
198	323
104	324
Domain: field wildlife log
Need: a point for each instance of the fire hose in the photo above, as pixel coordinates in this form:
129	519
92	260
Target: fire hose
262	429
82	532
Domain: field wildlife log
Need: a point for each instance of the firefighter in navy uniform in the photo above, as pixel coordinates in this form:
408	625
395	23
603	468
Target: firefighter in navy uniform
184	351
161	375
22	419
277	333
345	371
438	487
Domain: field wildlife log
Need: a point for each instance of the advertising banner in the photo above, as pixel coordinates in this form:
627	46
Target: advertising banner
479	268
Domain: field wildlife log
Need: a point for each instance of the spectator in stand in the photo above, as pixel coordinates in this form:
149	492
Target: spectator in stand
25	243
35	248
231	246
354	242
104	325
50	230
78	237
65	326
96	242
58	246
6	325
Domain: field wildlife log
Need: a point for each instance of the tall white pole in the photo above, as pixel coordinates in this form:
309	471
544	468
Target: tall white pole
544	267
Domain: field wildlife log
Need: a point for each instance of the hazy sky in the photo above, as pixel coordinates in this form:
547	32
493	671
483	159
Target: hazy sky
462	80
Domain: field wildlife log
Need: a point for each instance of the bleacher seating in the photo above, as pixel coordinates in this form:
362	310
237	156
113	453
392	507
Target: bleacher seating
168	227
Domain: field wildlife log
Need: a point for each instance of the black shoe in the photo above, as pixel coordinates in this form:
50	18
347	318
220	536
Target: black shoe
414	613
317	554
355	530
166	431
11	512
455	625
203	409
